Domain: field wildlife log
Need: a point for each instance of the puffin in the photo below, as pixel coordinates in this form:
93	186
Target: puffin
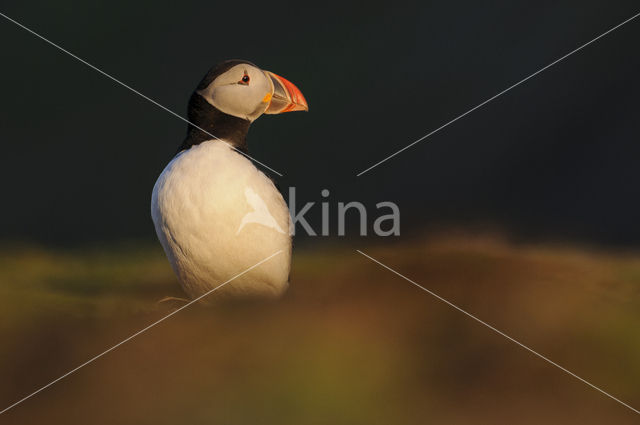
215	213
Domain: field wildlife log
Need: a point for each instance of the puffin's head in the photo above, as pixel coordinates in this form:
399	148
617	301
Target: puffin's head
241	89
232	95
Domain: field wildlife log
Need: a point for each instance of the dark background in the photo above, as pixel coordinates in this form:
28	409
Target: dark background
556	158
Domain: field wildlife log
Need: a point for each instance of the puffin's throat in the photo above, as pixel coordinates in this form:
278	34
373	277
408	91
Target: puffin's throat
228	128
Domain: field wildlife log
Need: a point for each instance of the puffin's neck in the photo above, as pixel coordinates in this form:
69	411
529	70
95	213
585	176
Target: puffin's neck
230	129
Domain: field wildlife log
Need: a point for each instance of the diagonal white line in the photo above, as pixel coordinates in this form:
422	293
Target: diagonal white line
499	94
498	331
136	334
112	78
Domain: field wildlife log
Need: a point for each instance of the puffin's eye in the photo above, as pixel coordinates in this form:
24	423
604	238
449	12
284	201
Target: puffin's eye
245	80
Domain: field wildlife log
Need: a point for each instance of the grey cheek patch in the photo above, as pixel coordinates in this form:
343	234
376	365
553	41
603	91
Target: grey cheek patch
258	111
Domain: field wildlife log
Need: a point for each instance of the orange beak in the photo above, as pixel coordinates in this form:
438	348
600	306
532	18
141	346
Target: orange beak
286	96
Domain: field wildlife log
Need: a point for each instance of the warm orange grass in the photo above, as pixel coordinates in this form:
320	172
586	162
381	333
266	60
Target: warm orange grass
349	343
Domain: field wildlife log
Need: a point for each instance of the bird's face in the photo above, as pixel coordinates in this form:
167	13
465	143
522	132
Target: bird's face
245	91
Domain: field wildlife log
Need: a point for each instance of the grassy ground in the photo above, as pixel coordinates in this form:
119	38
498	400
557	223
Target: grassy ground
349	342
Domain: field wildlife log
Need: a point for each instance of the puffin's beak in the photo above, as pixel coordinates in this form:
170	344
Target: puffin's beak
286	96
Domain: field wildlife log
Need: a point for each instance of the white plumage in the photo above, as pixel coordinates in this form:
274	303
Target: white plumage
260	214
217	215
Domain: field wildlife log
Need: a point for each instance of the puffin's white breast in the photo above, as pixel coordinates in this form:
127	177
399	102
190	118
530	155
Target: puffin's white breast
217	215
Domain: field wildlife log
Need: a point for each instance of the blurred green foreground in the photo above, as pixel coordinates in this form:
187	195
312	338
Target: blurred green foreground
349	343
